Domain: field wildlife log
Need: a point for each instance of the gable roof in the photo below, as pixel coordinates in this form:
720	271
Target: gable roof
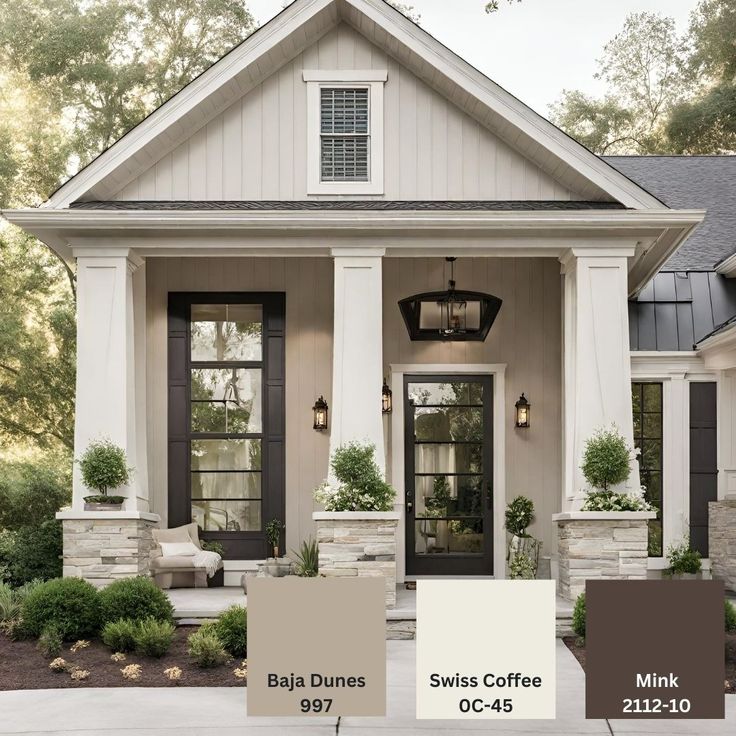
692	182
294	29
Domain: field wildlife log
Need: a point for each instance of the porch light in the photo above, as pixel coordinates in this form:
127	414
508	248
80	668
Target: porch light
386	398
450	315
320	410
523	408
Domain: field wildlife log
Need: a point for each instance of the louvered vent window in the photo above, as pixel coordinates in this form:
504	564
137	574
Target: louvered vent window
345	134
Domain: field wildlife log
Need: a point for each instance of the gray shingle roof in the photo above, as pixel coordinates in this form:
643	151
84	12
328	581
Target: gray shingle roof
346	204
691	182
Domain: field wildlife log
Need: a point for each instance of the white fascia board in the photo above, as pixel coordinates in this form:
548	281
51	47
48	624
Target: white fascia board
592	220
718	350
727	267
476	84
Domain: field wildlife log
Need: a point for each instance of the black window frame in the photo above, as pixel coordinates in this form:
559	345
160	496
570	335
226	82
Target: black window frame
241	544
641	441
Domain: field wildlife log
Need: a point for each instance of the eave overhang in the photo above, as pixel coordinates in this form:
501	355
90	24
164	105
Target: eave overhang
718	351
655	234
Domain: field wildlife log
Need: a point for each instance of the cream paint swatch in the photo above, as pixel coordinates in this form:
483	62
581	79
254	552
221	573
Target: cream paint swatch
316	647
491	646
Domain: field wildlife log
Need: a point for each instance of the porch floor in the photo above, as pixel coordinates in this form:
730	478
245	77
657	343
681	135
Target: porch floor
195	604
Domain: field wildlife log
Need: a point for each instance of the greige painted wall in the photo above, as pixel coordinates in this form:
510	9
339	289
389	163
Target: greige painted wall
307	283
257	148
526	337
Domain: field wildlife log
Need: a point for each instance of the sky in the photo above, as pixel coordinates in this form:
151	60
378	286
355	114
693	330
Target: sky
534	49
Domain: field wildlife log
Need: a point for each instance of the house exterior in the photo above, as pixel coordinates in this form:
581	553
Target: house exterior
243	250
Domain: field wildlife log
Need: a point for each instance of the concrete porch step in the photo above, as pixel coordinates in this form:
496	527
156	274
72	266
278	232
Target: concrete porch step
197	605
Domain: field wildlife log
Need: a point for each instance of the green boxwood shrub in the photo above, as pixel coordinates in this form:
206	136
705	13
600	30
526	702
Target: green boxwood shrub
50	642
232	630
31	552
578	616
730	611
205	648
119	635
153	637
135	599
71	605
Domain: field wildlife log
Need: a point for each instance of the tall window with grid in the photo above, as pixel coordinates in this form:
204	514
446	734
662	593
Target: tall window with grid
647	406
345	134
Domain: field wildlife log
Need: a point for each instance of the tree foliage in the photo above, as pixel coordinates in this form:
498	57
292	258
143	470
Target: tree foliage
76	76
665	93
644	69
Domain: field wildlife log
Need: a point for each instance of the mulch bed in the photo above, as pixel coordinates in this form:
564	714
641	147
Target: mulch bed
730	684
23	667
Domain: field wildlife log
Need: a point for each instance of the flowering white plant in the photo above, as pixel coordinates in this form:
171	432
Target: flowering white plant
358	484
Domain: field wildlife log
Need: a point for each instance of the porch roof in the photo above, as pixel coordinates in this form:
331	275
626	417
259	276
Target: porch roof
343	204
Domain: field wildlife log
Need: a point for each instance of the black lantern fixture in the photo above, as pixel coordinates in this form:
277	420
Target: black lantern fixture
320	410
386	398
450	315
523	408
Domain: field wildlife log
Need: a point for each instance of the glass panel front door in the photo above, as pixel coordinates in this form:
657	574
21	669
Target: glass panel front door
449	494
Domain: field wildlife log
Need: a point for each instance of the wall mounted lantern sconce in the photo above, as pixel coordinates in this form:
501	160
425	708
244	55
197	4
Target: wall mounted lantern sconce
320	410
523	410
386	398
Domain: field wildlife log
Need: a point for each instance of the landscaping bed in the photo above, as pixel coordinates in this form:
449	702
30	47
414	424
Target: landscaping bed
574	645
23	667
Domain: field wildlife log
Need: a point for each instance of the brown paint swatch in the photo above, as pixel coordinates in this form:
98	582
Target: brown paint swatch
654	649
314	640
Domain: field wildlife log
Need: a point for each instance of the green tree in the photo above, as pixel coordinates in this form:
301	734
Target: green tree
37	345
74	77
707	122
646	76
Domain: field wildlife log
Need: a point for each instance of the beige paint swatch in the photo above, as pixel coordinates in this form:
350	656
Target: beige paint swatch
316	647
486	649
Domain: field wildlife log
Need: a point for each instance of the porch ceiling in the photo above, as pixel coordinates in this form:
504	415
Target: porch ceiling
651	235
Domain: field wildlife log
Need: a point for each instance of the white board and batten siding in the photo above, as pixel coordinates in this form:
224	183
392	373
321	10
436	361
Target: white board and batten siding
526	337
257	148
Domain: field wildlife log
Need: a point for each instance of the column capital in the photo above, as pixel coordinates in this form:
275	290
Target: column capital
357	252
570	256
97	252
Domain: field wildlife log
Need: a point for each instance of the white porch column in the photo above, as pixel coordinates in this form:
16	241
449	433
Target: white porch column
357	371
597	368
110	376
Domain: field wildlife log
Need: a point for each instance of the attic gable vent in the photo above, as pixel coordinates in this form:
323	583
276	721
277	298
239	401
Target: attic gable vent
344	134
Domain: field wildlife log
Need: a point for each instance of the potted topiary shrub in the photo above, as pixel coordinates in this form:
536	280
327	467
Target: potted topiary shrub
356	532
273	535
606	463
104	467
522	553
685	562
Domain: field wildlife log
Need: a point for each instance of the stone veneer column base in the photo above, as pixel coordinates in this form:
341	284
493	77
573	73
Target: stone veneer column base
359	544
600	545
722	541
104	546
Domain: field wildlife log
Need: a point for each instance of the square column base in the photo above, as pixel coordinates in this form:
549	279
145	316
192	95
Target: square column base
102	547
359	544
722	541
596	545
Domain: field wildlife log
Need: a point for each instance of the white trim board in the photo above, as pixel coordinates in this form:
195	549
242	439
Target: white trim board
374	82
498	373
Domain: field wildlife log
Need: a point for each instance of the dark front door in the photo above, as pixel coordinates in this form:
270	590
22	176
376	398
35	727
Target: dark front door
449	475
226	416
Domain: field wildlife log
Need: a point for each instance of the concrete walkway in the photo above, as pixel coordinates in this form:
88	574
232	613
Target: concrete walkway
216	711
